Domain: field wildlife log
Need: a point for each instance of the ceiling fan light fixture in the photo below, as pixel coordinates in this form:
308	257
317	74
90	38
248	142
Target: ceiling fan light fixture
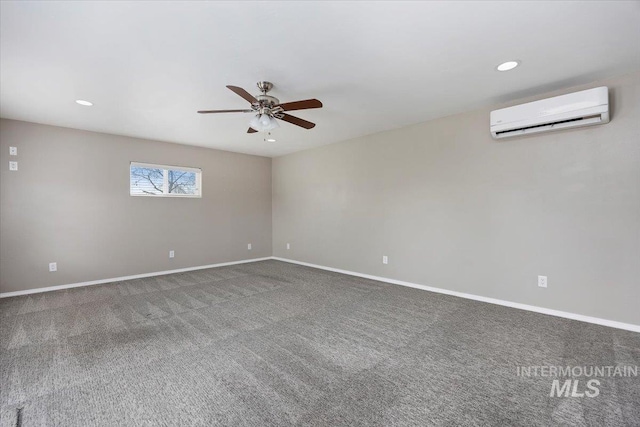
263	123
274	124
255	122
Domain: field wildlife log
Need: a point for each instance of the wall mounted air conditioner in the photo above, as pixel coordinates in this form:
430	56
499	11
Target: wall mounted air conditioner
584	108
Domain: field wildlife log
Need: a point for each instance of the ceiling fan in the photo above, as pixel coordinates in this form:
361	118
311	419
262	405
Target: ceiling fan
267	109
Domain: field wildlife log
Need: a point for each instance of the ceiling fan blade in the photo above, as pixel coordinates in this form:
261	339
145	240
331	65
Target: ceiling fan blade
252	130
300	105
224	111
243	93
297	121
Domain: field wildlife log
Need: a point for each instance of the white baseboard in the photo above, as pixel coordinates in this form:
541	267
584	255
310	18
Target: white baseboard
120	279
551	312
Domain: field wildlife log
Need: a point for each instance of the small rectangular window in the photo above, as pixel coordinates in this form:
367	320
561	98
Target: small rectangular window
164	181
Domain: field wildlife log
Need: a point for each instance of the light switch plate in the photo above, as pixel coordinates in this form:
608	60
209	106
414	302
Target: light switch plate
13	166
13	151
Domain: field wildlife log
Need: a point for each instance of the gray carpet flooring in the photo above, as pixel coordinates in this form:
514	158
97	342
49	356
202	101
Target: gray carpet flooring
276	344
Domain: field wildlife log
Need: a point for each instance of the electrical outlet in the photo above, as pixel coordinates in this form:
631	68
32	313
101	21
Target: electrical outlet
385	259
172	254
542	281
249	246
53	266
13	151
288	246
13	166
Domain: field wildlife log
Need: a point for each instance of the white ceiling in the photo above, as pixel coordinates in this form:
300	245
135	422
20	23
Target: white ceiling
148	66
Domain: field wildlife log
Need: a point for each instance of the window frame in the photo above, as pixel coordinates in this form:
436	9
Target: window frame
165	180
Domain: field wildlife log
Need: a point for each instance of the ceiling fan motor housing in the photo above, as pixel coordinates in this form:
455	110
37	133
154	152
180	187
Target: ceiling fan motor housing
267	100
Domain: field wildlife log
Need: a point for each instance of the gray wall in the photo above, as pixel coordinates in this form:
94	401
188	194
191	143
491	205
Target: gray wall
451	207
454	209
94	230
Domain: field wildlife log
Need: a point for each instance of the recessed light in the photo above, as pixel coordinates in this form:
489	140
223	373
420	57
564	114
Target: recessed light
85	103
509	65
271	140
